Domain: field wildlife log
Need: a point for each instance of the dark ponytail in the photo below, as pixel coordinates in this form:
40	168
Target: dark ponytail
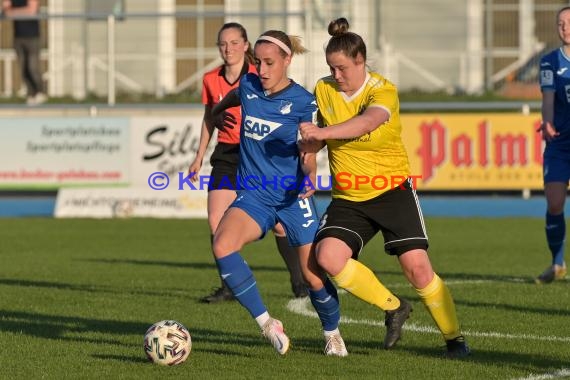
351	44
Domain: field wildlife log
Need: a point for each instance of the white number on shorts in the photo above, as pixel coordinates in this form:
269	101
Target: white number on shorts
323	221
305	205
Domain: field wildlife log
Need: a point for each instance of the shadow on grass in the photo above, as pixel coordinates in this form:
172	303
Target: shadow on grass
170	292
123	358
516	308
62	327
467	277
526	362
113	332
177	264
522	279
522	361
448	277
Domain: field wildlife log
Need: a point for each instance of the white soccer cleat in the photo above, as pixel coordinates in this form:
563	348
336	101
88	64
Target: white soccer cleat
273	331
37	99
335	346
553	272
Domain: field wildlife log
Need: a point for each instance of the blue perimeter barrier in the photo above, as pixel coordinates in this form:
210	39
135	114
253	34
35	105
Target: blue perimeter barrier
432	206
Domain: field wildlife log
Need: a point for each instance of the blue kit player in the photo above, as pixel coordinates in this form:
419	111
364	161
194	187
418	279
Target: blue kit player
272	187
555	129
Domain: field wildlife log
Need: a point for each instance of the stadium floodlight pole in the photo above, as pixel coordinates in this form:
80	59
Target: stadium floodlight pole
309	38
489	45
111	59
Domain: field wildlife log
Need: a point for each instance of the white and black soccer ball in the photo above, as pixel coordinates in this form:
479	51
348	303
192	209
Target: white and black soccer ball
167	343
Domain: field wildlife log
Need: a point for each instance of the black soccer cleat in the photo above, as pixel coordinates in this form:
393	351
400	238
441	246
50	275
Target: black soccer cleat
394	320
220	294
457	348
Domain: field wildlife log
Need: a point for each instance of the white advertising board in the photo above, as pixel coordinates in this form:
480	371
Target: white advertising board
166	145
130	202
57	152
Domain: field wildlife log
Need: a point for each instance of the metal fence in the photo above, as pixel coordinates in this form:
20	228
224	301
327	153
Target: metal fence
157	49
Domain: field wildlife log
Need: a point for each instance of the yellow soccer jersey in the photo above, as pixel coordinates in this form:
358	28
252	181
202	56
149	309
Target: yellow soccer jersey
367	166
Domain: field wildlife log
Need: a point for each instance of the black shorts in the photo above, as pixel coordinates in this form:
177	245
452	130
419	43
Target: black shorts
396	213
224	161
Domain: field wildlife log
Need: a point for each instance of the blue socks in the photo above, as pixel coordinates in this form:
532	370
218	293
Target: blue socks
325	302
555	236
239	278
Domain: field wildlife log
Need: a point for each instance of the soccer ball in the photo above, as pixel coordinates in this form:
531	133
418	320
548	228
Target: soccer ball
167	343
123	209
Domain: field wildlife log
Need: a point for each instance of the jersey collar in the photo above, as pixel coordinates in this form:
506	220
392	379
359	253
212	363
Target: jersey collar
353	96
244	70
291	84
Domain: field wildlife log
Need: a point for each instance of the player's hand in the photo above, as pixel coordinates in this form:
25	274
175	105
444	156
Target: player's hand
548	131
309	192
310	186
310	132
194	169
310	146
224	121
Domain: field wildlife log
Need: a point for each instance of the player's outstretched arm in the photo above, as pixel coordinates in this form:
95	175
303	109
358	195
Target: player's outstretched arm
547	127
222	119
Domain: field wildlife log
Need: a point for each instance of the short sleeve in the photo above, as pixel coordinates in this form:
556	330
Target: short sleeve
206	94
310	112
384	95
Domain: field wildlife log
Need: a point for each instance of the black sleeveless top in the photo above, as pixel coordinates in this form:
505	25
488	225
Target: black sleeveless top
25	28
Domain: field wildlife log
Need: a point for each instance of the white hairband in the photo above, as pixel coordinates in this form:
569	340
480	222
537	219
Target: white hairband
276	42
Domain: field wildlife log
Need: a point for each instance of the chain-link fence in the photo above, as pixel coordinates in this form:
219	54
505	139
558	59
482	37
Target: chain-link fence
153	50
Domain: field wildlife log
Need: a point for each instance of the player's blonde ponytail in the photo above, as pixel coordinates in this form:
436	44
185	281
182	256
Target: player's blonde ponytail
297	45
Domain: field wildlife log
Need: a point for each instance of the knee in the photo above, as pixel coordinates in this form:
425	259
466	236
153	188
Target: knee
555	208
555	205
322	257
555	200
330	261
217	246
312	281
419	275
221	246
417	268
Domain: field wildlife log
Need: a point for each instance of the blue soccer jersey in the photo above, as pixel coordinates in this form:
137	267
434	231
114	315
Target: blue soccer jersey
555	76
269	156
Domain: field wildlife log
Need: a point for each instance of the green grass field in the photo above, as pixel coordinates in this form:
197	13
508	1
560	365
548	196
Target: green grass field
76	297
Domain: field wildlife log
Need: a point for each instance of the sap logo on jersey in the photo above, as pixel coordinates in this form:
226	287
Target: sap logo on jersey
257	129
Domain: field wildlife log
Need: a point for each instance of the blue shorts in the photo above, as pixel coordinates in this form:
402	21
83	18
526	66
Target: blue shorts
298	216
556	169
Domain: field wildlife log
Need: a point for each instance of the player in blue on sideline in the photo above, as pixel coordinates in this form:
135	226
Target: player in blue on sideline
273	106
555	129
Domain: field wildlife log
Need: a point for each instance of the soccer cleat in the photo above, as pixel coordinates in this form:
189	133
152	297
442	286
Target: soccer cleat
273	331
37	99
553	272
335	346
394	321
457	348
299	290
219	295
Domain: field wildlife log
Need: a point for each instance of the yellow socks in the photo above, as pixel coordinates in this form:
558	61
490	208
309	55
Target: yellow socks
438	301
357	279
